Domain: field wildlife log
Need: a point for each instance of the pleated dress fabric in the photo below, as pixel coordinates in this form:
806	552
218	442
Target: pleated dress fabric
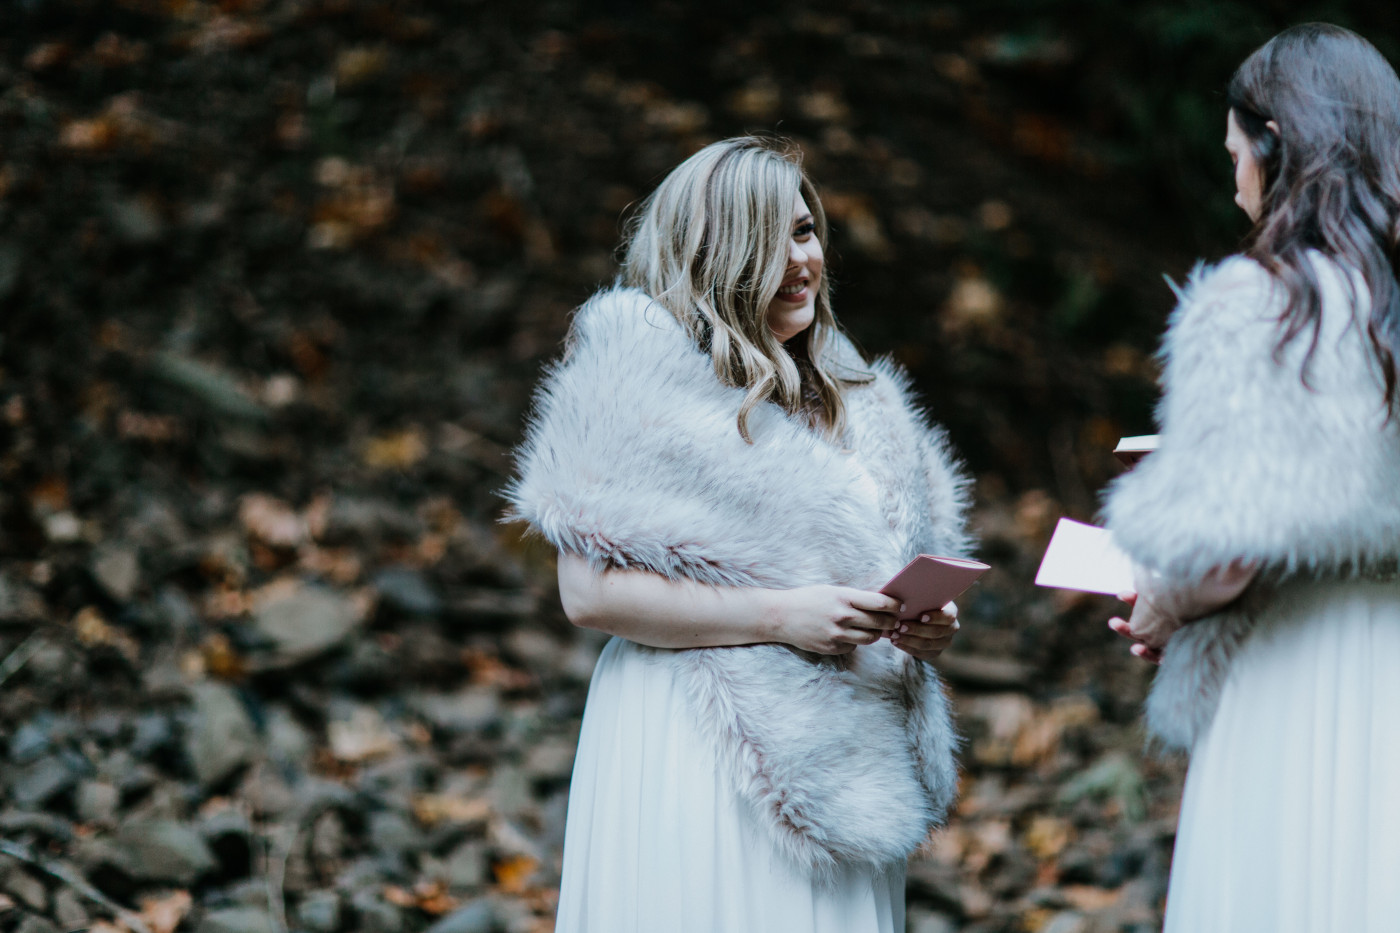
658	841
1290	820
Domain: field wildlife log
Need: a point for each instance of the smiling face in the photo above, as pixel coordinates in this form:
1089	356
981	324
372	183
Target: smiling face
1249	178
794	307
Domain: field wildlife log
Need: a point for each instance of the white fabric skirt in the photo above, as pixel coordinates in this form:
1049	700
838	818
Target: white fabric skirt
658	841
1290	820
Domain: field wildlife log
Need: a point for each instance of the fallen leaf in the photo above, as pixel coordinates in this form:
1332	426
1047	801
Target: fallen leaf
361	737
272	521
1088	898
433	809
1047	836
513	873
162	914
398	451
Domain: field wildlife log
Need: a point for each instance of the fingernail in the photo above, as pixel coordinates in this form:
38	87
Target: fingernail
904	628
901	607
923	618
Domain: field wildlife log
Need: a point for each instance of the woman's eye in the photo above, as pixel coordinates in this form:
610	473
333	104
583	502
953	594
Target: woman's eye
804	230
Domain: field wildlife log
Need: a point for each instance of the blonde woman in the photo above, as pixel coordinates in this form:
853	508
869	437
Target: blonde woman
728	482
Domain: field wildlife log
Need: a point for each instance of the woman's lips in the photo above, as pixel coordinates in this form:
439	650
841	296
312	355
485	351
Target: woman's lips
794	297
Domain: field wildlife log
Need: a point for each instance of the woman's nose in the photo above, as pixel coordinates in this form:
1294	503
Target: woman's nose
796	254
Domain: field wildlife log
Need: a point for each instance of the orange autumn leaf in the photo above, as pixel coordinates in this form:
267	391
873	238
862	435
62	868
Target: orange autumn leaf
432	809
397	451
513	873
163	914
1088	898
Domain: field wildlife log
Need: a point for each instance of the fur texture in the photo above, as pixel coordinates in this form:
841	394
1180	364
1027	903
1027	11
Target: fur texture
1303	479
633	460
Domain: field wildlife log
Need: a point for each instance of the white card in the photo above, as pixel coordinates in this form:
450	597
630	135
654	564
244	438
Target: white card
1084	557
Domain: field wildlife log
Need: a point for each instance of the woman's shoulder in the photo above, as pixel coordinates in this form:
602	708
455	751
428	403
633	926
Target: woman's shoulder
619	311
1234	282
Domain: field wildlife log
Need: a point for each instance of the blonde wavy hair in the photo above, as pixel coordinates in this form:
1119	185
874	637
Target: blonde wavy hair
711	245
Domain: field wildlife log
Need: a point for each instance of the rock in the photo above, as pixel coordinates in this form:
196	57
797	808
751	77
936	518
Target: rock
162	851
154	734
38	783
15	823
230	838
128	775
508	839
406	590
984	672
493	606
135	220
117	569
375	915
476	917
27	889
509	791
32	739
33	923
921	920
320	912
328	837
469	710
394	832
96	801
267	790
216	389
535	649
551	759
70	910
162	676
314	793
935	883
107	726
352	519
221	737
468	867
236	920
174	609
1067	921
307	621
19	602
287	741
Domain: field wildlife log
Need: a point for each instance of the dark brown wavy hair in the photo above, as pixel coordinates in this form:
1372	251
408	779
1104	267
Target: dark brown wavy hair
1331	175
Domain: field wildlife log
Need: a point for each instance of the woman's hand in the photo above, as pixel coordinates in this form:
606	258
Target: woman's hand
1146	628
832	619
1160	607
929	636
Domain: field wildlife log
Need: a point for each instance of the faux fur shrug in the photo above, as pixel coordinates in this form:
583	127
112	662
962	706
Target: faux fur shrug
1253	463
633	459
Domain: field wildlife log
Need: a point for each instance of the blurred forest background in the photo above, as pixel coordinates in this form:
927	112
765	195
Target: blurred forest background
276	280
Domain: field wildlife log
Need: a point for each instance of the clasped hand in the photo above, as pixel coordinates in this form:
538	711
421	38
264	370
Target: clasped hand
1161	607
838	619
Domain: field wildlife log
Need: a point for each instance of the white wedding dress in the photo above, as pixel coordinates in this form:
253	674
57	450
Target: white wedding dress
1290	821
657	840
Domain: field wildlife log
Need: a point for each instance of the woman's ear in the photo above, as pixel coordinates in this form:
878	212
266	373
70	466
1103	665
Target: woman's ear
1273	128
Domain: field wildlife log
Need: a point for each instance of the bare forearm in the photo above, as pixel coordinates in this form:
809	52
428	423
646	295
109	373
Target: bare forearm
1187	600
652	610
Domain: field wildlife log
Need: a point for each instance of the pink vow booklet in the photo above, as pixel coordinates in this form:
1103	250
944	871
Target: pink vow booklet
927	584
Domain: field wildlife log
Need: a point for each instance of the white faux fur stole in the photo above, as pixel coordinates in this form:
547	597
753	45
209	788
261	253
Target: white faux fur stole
1302	479
633	459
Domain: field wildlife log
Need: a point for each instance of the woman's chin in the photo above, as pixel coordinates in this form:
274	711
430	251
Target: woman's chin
787	323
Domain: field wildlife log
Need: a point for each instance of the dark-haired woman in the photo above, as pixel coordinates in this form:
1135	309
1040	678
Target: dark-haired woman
1266	527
